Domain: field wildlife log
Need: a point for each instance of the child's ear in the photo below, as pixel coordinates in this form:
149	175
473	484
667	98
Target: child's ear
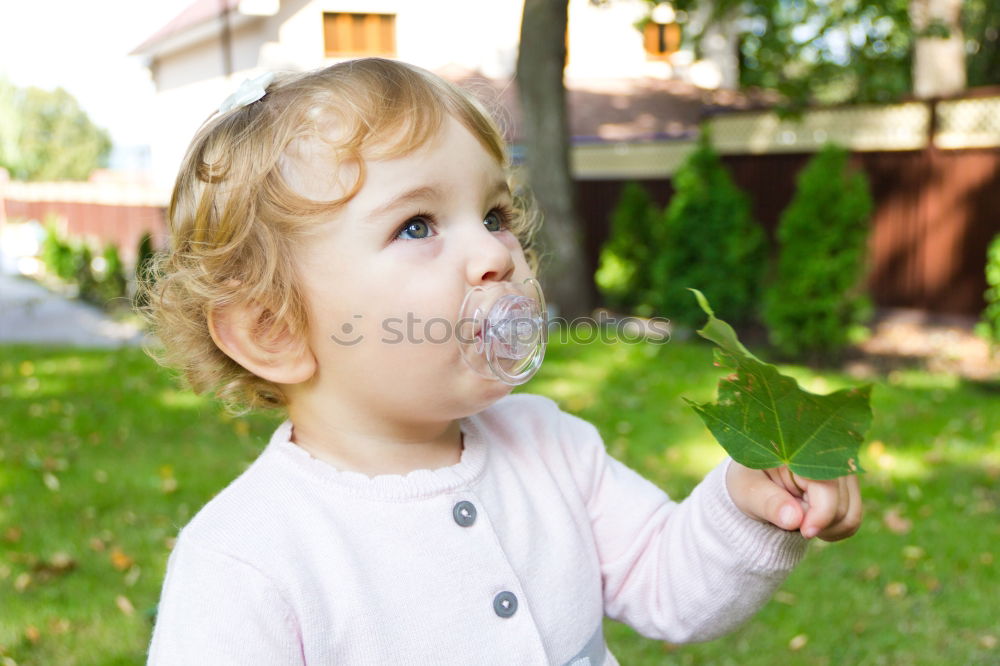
285	359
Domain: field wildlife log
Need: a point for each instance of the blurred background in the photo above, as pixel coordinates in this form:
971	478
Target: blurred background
828	173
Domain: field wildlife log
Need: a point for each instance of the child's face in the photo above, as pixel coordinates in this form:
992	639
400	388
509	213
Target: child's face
385	279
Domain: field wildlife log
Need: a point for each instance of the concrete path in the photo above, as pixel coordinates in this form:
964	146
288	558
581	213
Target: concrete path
31	313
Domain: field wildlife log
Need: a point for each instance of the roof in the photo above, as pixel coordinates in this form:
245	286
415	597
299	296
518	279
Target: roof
198	12
612	110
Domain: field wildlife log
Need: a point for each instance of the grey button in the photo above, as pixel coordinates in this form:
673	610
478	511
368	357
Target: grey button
505	604
465	513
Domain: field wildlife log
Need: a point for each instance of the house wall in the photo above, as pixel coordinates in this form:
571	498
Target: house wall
479	35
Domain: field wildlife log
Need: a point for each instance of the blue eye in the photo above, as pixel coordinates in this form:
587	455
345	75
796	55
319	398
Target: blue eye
415	228
496	220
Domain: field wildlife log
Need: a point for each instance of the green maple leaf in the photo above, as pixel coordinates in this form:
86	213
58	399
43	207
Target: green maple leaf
763	419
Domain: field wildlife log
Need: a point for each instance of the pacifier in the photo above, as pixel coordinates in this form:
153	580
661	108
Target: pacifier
503	329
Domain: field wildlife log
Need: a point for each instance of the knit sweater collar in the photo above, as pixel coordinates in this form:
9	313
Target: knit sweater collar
418	484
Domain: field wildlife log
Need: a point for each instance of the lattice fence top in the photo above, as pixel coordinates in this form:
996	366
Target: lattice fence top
968	123
893	127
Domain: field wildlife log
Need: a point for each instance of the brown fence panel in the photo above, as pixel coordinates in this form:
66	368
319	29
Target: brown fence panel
121	225
935	213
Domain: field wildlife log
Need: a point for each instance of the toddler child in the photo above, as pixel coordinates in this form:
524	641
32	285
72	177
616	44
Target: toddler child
345	247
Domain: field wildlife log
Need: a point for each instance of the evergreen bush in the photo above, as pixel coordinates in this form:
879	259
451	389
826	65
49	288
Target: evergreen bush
989	327
817	299
710	243
623	275
85	279
58	256
112	281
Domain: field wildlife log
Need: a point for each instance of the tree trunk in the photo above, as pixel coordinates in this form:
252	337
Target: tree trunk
540	63
938	60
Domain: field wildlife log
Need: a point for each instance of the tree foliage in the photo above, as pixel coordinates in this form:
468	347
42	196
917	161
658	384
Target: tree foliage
45	135
982	40
989	327
851	51
818	296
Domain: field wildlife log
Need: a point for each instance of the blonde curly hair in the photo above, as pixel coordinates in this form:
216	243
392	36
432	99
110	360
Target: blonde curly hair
235	221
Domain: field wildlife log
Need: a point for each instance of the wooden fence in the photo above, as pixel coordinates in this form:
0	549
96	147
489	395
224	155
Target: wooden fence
116	213
934	170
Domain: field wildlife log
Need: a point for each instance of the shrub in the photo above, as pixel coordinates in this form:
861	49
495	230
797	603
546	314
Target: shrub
818	298
989	327
58	255
711	243
112	283
84	277
623	275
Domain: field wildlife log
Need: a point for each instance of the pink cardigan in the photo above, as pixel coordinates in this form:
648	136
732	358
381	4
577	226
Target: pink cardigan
512	556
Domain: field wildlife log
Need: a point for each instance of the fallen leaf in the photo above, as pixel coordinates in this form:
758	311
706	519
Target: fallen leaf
51	481
60	563
13	534
798	642
783	597
896	523
168	485
32	634
120	560
986	558
59	625
22	582
124	605
132	576
913	552
988	641
97	545
895	590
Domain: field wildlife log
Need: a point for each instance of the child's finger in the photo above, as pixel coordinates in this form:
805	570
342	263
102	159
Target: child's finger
824	500
849	523
758	496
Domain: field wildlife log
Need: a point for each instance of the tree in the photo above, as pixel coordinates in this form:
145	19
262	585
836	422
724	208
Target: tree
982	41
45	135
540	63
829	52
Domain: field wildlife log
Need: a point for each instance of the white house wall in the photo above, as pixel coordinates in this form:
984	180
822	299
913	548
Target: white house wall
479	35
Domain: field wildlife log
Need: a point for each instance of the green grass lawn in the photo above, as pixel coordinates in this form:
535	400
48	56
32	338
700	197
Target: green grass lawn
102	459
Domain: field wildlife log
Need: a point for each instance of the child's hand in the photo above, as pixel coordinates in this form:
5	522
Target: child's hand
830	510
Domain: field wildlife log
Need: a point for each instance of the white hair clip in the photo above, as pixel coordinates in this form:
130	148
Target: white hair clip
249	92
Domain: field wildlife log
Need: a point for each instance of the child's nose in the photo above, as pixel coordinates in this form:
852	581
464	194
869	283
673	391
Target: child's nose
489	259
